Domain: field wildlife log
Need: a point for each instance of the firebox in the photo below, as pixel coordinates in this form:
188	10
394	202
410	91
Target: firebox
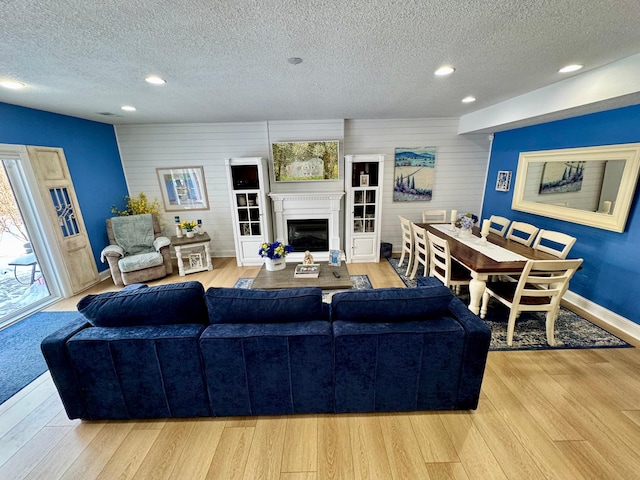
310	234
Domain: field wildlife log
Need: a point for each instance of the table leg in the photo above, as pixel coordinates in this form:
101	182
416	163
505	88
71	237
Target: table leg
180	262
476	289
208	255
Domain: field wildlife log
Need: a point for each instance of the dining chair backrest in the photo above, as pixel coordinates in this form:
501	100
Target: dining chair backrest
442	266
522	233
407	243
498	225
439	259
544	278
555	243
420	250
434	216
539	289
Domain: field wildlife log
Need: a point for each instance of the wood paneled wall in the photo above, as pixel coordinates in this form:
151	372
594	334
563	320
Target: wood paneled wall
461	162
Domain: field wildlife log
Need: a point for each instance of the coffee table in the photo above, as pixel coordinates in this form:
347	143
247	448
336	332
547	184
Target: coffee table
281	279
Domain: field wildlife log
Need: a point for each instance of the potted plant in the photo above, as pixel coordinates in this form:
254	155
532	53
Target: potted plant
189	227
274	255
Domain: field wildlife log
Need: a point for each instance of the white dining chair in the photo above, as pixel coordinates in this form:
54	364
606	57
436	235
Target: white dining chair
441	266
540	288
498	225
555	243
434	216
420	250
407	244
522	232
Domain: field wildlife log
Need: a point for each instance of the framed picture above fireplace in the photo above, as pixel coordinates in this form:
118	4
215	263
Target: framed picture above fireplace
305	161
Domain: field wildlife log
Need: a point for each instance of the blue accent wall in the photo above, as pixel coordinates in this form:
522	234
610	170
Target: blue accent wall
92	155
610	273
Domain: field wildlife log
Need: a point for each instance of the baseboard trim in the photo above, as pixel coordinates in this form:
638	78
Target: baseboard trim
607	316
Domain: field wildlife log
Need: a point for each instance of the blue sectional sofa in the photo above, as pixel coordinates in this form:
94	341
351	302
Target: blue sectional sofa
178	351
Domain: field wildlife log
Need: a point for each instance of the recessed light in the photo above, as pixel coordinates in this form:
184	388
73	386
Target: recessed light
155	80
468	99
128	108
445	70
570	68
294	60
12	84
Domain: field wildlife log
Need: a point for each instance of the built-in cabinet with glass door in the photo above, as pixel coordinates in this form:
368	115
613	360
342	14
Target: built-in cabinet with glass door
363	187
248	187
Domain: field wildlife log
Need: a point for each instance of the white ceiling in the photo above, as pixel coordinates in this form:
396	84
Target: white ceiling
226	60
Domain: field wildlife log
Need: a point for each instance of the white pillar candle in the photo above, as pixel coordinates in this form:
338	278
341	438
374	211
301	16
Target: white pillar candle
485	227
454	214
607	207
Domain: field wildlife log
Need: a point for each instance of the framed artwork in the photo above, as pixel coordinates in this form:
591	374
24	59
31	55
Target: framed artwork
413	174
305	161
364	180
183	188
503	182
561	177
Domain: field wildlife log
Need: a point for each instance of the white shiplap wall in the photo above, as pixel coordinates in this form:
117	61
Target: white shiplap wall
461	162
460	167
143	148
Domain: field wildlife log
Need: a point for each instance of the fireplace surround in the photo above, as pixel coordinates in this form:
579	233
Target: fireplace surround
307	206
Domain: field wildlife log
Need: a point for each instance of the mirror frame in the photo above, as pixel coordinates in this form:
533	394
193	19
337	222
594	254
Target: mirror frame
630	152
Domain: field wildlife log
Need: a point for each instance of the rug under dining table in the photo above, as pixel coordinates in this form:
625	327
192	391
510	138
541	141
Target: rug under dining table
572	331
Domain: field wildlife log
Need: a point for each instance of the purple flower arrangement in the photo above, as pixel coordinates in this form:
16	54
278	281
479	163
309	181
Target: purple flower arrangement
466	220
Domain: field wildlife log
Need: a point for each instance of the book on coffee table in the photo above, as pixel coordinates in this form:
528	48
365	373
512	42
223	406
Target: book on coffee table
311	270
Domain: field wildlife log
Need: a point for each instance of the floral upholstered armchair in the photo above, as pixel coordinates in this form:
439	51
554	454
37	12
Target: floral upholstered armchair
137	251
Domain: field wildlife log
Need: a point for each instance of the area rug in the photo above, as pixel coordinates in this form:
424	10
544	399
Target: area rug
572	330
21	360
359	282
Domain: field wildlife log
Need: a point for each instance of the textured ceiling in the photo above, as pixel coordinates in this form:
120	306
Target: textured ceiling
226	61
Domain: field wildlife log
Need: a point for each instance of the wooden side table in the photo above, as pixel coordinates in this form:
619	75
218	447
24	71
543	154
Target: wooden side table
195	262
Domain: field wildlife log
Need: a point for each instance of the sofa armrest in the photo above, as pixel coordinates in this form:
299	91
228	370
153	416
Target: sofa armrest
54	350
476	349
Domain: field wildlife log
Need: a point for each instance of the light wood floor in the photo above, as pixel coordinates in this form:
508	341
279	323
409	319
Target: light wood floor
571	414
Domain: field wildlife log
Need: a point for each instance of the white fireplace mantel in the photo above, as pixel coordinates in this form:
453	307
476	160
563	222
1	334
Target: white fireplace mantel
303	206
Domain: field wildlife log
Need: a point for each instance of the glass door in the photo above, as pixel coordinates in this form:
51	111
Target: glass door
22	283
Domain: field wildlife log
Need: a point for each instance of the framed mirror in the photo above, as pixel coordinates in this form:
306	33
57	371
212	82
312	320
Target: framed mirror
591	186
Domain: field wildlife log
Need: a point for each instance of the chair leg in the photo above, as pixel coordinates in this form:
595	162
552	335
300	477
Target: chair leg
401	258
513	314
410	263
551	326
416	262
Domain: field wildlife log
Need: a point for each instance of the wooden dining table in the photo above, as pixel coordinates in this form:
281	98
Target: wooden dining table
482	266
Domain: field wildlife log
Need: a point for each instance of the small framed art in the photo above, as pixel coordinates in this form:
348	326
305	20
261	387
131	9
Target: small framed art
364	180
183	188
503	182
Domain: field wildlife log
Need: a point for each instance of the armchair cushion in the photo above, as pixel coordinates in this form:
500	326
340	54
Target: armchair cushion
140	261
134	233
158	305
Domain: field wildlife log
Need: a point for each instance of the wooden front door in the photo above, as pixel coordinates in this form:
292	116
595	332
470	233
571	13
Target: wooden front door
63	211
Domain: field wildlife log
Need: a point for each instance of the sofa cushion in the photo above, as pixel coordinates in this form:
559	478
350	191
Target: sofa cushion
177	303
237	305
391	304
